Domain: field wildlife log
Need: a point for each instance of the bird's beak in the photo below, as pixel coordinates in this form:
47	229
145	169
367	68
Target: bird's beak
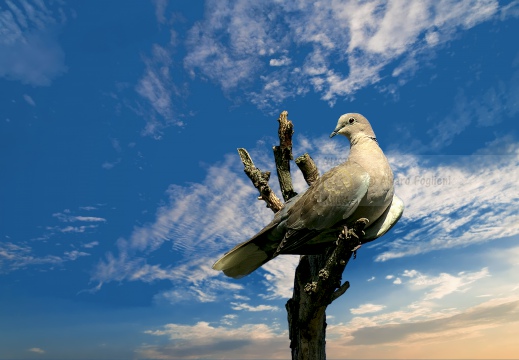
337	129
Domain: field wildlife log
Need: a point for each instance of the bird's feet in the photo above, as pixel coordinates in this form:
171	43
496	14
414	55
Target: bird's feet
354	233
358	228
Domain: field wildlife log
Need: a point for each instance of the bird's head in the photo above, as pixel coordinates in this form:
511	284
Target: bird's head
353	126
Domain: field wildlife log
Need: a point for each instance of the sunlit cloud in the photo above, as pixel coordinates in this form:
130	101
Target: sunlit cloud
206	340
366	309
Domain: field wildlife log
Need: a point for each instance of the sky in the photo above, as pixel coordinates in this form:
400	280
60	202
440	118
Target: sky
121	185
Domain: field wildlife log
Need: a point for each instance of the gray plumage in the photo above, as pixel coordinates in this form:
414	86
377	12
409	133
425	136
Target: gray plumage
361	187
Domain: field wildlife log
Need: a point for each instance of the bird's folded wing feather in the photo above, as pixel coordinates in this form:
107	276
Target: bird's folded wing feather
331	200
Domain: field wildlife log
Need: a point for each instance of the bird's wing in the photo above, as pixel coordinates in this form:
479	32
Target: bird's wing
330	201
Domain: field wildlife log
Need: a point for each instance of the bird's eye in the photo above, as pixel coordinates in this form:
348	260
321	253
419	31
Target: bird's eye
351	120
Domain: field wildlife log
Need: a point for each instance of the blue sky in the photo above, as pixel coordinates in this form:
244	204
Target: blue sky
121	185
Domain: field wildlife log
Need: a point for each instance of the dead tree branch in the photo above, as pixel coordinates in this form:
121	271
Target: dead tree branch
306	164
283	155
260	181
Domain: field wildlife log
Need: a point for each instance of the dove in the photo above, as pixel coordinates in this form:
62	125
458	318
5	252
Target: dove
359	188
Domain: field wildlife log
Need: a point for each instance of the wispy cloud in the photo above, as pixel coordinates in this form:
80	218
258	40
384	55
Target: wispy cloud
90	245
444	284
29	100
72	229
247	307
456	201
345	45
37	350
197	220
157	87
279	277
206	340
160	10
29	44
486	110
20	256
66	217
366	309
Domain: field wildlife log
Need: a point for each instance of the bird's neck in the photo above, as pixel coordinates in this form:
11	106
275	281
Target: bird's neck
361	139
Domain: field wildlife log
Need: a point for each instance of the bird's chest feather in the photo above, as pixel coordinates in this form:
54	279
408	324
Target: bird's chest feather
380	190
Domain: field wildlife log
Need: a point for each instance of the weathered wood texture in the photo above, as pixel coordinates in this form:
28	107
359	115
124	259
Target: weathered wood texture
283	155
306	164
260	181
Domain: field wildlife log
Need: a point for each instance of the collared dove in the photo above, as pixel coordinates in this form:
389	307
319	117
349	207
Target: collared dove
361	187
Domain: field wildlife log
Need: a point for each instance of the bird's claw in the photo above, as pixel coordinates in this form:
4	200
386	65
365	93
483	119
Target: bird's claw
360	225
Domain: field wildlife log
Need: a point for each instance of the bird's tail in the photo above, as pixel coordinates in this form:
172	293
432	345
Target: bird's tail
243	259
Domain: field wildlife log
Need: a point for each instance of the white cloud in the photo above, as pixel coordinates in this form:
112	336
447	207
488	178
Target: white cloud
29	100
366	309
66	217
280	62
485	110
91	244
247	307
37	350
29	44
229	319
345	45
73	229
510	10
89	218
20	256
157	87
74	254
205	340
279	277
445	284
160	10
110	165
397	281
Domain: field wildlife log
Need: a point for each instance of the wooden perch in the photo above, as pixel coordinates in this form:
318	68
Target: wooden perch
260	181
307	166
283	155
316	285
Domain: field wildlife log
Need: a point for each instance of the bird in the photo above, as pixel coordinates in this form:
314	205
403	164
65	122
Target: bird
359	188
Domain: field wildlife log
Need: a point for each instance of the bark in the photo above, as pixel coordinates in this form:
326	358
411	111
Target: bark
260	181
307	166
317	284
283	155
